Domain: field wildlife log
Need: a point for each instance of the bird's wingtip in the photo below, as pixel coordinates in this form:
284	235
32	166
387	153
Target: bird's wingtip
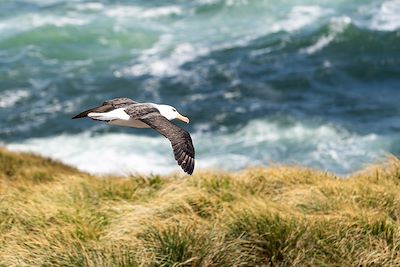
188	166
81	115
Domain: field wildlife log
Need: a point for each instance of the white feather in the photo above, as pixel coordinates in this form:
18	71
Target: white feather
116	114
118	117
167	111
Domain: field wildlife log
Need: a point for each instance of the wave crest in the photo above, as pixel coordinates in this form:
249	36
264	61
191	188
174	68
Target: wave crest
258	143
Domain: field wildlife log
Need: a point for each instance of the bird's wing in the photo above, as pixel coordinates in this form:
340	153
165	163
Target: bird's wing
120	102
180	139
141	110
107	106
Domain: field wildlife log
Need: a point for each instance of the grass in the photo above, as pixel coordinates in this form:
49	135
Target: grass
54	215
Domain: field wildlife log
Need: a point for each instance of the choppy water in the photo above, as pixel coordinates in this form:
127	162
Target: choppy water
315	83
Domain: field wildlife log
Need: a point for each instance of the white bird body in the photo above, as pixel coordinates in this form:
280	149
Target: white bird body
118	117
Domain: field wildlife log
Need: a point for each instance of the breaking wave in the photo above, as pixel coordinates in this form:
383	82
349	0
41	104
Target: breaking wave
258	143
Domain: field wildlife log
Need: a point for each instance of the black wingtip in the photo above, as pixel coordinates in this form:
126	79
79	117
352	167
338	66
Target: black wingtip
188	165
191	167
77	117
190	172
81	115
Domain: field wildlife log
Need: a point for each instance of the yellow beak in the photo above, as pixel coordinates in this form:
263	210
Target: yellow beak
182	118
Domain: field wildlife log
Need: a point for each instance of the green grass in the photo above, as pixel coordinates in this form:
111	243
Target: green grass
54	215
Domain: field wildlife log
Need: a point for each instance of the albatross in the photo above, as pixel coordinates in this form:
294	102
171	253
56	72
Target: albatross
128	113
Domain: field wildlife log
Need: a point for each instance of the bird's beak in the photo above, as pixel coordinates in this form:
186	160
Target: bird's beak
182	118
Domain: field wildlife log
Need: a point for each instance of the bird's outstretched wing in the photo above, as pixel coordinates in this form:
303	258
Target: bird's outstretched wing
181	141
107	106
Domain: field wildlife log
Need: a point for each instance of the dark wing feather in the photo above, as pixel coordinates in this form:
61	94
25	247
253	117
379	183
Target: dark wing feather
120	102
107	106
141	110
180	139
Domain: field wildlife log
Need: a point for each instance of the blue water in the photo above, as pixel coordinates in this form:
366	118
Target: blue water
314	83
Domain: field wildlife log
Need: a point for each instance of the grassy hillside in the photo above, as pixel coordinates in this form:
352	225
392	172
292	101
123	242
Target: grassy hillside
53	215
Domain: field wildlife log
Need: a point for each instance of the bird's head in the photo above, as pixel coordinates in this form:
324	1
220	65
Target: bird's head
171	113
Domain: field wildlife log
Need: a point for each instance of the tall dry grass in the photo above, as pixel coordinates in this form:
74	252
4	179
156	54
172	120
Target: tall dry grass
53	215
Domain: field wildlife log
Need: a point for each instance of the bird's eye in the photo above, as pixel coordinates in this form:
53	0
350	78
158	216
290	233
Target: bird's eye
174	110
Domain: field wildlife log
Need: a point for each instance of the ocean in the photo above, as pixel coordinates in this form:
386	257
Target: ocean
311	83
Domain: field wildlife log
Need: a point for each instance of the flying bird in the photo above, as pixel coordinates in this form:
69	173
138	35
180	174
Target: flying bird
129	113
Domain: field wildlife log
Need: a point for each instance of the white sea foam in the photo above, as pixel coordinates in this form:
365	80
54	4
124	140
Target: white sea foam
91	6
11	97
236	2
140	12
38	20
105	154
337	26
299	17
28	22
167	56
259	143
323	146
152	63
387	18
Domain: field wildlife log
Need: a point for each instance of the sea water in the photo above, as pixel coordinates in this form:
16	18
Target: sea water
313	83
